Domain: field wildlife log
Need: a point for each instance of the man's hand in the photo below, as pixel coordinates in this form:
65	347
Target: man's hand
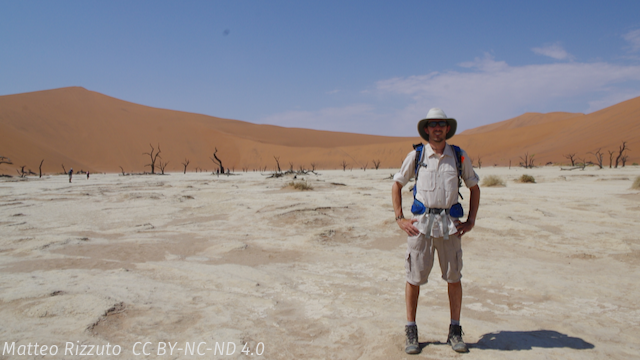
464	227
407	226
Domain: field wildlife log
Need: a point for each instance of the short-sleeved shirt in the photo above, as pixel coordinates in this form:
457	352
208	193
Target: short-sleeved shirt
437	185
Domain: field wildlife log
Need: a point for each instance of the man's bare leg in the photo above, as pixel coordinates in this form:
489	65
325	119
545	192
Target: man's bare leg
455	300
411	293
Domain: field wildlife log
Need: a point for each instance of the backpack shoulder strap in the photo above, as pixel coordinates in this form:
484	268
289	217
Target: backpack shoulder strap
459	158
419	149
459	161
416	165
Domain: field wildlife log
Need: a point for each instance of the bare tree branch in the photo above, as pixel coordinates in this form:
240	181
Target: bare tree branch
621	150
5	160
185	163
153	158
215	159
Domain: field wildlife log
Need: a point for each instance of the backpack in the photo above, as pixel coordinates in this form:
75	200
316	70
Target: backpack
418	207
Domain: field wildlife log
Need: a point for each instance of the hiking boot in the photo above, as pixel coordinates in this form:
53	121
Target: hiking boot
455	339
412	345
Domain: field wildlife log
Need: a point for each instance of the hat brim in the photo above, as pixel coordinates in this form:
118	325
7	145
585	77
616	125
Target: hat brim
453	126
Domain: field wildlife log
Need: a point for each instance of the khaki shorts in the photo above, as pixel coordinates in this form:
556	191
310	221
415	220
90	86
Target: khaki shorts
420	254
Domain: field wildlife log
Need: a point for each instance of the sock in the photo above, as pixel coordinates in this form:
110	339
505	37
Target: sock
455	322
411	323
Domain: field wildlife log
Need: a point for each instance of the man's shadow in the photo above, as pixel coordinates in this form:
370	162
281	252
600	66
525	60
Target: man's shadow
523	340
526	340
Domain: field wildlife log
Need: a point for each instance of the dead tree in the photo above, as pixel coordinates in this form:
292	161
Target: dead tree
376	164
40	167
527	161
21	172
479	162
5	160
364	167
185	163
624	159
64	171
277	163
599	155
153	155
215	159
162	166
620	153
611	158
123	174
290	166
344	165
313	166
572	158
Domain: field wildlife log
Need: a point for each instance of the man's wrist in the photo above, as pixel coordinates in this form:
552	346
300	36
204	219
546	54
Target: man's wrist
400	217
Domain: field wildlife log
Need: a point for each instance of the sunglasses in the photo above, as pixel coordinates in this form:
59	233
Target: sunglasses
440	123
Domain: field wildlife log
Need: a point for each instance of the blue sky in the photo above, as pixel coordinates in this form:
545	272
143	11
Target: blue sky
369	67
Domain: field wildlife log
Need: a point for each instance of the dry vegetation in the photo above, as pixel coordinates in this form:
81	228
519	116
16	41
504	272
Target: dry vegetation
493	181
526	179
300	185
636	183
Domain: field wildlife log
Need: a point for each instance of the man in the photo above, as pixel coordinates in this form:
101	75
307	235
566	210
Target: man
436	229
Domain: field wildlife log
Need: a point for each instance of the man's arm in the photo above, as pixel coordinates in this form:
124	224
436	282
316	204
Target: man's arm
405	224
474	203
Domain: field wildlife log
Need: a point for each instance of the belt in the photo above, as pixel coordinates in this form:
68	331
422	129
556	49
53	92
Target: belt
430	212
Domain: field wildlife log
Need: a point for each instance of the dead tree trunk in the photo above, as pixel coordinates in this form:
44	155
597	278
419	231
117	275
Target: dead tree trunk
528	161
162	166
153	156
123	174
572	158
622	148
215	159
277	163
344	165
611	158
185	163
376	164
599	155
64	170
40	167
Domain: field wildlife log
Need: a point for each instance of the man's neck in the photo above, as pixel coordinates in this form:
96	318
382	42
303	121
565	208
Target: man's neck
438	147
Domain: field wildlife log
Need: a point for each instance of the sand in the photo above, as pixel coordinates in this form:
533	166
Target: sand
550	270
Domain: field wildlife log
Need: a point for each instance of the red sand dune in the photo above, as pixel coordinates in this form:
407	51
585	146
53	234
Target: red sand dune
91	131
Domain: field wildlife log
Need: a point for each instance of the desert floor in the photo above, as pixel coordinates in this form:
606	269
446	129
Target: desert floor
550	271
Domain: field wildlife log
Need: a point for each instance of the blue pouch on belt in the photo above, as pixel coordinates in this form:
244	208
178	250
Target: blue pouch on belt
456	211
418	208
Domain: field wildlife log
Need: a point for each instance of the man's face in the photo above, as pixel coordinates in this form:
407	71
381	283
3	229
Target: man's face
437	130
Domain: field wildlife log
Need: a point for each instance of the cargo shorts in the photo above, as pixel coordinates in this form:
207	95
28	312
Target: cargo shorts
420	255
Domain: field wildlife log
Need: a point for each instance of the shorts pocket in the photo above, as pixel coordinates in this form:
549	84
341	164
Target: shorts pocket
417	243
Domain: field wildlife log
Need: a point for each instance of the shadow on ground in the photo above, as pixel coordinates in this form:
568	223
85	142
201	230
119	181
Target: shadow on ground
526	340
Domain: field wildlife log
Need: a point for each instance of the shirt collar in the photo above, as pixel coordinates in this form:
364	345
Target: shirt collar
448	150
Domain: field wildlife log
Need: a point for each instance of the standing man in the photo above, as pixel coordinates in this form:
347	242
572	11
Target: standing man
70	174
435	225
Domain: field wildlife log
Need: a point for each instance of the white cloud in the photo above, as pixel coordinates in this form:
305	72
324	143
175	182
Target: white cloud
486	91
497	91
633	37
555	51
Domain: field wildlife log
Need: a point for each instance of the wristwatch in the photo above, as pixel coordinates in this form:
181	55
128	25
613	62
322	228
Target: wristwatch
401	216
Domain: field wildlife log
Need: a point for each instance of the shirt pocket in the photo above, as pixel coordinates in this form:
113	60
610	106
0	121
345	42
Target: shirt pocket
450	182
426	180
